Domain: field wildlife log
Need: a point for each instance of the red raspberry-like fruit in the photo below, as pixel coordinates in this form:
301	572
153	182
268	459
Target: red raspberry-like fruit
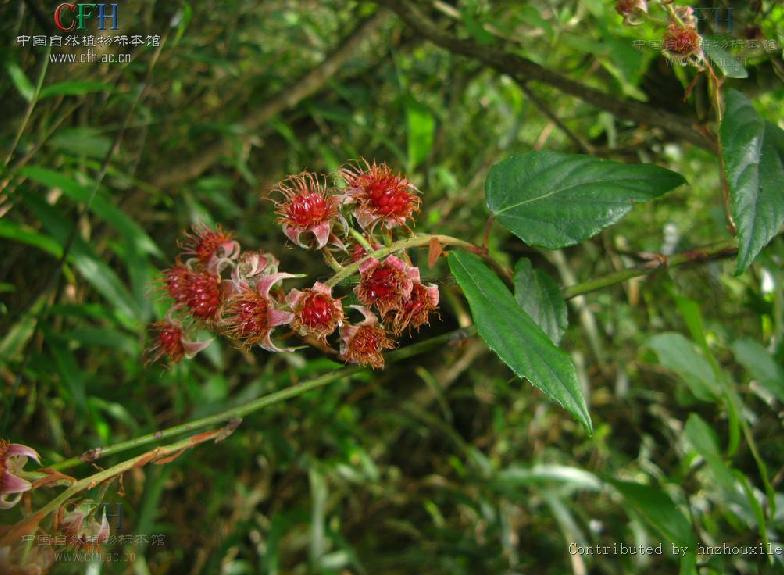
381	195
316	312
416	310
682	42
251	315
175	282
169	342
204	243
203	295
385	285
365	342
307	206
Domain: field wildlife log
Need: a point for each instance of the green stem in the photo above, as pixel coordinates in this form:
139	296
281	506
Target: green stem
330	259
723	249
256	405
418	240
361	239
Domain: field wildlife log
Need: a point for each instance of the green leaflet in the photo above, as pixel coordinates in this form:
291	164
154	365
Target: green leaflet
511	333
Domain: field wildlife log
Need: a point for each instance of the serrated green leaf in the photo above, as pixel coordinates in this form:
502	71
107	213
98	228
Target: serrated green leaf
760	365
73	88
539	295
729	66
753	153
511	333
553	200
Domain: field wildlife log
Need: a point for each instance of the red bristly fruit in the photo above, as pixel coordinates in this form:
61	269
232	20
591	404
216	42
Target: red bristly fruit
203	295
416	310
365	342
251	315
316	312
682	42
175	281
381	195
204	244
307	207
631	10
385	285
169	342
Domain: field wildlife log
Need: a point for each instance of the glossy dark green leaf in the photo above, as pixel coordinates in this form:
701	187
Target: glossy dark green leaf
753	153
511	333
553	200
539	295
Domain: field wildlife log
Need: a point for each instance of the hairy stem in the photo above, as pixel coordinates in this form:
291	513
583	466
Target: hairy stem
418	240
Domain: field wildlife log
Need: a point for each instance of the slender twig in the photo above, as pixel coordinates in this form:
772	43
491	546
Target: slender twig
719	250
92	481
525	70
553	117
258	404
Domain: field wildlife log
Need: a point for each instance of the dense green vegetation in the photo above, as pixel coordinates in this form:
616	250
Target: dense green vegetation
605	371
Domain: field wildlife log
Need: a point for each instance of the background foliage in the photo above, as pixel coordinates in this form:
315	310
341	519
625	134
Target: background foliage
441	464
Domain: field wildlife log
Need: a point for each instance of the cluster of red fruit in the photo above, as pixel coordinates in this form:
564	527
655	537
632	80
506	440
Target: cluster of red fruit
214	285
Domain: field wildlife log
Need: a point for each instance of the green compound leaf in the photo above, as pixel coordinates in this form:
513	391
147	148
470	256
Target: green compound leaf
511	333
753	154
554	200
